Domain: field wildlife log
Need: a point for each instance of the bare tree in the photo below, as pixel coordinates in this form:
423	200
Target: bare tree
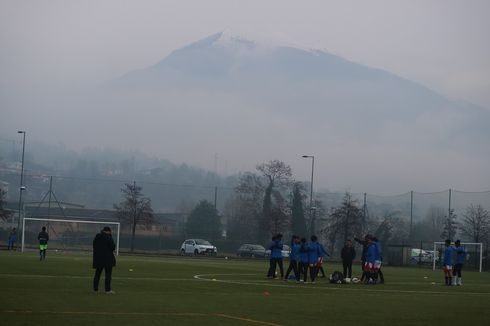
429	228
245	209
476	223
345	221
278	174
5	214
135	209
450	226
280	213
392	228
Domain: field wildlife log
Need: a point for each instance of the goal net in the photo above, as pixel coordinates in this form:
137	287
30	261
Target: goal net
65	235
473	258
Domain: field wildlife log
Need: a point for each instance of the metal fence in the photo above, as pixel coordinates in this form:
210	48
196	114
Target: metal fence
174	201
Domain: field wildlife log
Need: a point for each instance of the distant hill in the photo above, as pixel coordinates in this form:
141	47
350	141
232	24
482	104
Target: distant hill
319	89
251	102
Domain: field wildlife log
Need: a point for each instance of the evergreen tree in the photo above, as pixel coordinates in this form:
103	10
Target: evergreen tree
298	222
204	222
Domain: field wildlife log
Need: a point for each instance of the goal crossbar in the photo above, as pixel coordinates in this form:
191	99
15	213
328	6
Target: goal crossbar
462	243
70	221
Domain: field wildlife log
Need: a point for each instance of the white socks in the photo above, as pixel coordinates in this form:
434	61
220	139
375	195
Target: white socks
457	280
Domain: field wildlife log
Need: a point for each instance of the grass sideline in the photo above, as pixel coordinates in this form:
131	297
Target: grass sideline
215	291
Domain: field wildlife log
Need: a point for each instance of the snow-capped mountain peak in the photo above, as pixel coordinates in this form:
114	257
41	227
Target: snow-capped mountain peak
229	39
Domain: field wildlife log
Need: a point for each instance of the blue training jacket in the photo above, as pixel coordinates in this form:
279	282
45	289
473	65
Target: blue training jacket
294	256
303	253
460	254
314	252
372	253
276	249
379	252
448	256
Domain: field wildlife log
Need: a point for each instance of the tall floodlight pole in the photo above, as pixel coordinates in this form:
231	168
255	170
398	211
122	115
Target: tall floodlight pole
312	215
21	187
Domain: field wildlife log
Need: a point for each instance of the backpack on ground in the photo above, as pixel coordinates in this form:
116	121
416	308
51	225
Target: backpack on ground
337	278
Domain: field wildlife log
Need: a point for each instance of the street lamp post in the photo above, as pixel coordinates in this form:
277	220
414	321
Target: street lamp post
21	187
312	215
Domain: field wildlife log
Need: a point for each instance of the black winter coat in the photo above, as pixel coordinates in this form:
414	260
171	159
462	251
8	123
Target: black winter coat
348	254
103	251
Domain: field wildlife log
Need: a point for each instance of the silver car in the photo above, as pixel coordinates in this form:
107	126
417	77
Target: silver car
197	247
286	251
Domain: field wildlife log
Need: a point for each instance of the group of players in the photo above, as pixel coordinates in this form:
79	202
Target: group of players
307	257
304	256
454	257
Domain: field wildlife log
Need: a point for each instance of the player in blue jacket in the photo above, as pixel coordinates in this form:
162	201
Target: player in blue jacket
315	255
322	255
276	256
378	261
364	243
459	261
293	258
372	254
12	239
448	261
303	259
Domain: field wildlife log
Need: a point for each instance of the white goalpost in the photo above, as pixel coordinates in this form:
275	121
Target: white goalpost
68	227
436	256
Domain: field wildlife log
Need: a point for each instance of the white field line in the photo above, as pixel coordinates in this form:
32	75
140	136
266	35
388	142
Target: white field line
368	289
91	277
210	278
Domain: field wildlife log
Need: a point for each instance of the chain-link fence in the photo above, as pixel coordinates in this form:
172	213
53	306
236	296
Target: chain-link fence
417	218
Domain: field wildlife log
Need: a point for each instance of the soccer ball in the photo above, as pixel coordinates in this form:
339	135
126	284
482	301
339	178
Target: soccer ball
347	280
355	280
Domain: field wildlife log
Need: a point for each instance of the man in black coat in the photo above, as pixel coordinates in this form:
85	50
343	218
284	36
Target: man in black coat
348	254
103	258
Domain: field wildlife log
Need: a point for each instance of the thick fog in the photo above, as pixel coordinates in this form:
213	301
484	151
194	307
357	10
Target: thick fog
121	74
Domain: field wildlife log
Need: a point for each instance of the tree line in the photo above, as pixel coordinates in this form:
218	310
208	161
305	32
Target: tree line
270	201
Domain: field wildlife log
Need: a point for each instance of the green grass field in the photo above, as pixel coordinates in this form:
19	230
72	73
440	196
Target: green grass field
215	291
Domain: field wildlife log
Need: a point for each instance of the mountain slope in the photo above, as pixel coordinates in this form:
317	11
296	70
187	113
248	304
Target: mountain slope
297	82
255	102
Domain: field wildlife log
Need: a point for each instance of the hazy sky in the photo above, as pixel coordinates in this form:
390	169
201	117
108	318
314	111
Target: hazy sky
442	44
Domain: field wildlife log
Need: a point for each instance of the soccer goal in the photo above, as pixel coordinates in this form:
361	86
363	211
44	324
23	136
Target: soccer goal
473	259
69	235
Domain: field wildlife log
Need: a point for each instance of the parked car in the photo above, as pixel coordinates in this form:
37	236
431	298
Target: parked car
285	251
420	256
197	247
251	250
